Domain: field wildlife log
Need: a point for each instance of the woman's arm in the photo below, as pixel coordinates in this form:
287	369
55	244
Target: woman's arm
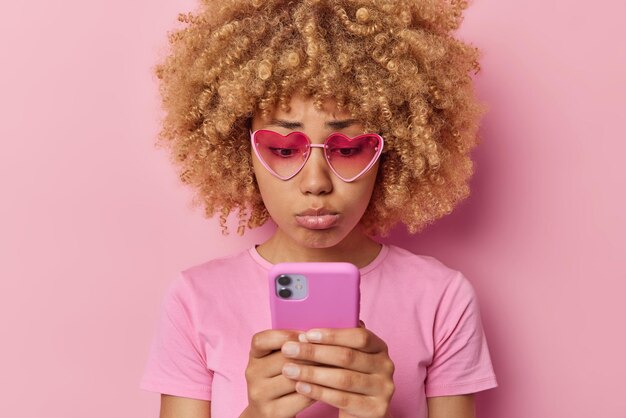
177	407
451	406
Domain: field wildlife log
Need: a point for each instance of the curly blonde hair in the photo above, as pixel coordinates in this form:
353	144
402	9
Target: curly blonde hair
394	65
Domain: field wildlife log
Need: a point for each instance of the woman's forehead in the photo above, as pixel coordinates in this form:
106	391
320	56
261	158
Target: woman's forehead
303	108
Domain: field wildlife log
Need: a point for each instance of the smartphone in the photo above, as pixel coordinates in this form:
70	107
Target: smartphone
314	295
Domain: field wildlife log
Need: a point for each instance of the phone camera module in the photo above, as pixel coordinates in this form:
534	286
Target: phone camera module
292	286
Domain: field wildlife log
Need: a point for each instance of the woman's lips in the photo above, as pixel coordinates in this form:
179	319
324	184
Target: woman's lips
317	222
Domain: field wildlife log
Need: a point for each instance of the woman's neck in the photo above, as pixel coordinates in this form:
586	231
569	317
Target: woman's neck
356	248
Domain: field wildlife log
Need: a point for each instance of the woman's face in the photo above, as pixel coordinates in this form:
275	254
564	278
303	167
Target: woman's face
315	186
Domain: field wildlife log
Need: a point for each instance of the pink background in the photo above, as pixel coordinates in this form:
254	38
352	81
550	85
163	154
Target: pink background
94	225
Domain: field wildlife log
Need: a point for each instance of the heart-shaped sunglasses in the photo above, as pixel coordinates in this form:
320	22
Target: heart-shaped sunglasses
285	155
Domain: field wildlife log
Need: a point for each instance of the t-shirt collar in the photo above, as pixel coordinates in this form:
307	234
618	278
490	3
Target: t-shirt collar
364	270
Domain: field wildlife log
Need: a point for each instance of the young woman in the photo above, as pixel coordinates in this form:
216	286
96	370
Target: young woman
336	120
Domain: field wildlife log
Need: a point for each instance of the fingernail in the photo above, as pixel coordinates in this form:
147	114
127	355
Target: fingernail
290	349
314	336
291	370
302	338
303	387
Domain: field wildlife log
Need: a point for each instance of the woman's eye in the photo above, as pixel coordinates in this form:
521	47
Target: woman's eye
346	152
283	152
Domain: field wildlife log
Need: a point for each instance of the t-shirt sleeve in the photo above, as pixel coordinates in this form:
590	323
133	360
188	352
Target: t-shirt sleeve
176	362
461	363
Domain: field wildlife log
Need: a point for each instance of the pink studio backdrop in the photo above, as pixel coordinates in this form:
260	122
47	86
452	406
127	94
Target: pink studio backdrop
94	224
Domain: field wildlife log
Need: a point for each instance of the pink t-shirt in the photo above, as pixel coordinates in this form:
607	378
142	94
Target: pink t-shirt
426	312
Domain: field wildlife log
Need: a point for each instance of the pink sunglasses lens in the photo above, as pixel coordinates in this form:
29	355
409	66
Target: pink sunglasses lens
350	157
284	155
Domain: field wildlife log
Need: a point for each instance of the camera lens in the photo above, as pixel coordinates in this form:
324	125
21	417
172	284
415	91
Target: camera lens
284	280
284	293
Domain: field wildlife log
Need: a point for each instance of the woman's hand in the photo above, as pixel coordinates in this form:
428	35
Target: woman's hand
353	372
270	393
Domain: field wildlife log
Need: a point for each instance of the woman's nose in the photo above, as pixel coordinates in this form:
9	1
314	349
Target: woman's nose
316	176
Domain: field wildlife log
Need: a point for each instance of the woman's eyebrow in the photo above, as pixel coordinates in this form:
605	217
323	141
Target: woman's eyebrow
334	124
341	124
285	124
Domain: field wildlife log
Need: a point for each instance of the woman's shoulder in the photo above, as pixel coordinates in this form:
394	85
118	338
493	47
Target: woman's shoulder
221	270
239	258
428	270
402	258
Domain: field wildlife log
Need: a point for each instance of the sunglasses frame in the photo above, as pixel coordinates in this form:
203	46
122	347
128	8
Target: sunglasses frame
379	150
